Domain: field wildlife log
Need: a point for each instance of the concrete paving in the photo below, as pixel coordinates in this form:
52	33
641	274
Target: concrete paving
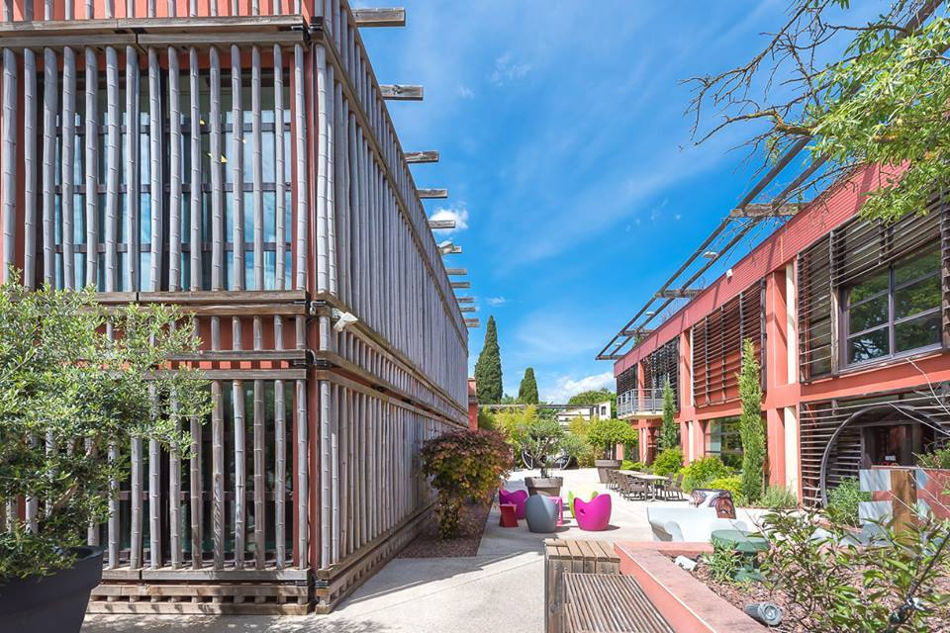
500	589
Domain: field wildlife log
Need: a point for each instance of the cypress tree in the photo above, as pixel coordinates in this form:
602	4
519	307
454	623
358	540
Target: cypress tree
751	427
488	367
528	391
669	430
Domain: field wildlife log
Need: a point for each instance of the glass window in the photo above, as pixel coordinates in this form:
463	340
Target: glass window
895	311
725	441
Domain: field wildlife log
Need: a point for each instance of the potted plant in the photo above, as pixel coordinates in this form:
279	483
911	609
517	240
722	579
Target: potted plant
543	440
78	386
604	436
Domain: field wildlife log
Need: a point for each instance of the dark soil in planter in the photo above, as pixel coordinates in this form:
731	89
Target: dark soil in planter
741	594
430	545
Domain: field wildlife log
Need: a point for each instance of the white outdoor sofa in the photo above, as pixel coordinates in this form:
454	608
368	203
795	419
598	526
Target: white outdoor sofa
693	525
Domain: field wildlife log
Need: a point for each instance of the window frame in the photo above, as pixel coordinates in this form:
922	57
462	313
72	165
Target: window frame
891	321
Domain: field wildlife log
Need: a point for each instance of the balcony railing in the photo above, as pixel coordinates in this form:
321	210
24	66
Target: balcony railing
640	401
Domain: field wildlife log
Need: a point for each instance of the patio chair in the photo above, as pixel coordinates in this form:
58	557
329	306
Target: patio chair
693	525
633	487
677	487
593	515
541	513
516	498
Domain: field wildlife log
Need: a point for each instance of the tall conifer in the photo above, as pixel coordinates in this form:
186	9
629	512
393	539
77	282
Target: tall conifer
528	391
488	367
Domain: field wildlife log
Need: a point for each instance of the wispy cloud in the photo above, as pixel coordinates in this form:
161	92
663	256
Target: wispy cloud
465	92
457	214
496	301
566	386
507	71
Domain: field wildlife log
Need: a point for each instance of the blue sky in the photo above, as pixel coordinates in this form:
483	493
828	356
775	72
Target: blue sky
567	156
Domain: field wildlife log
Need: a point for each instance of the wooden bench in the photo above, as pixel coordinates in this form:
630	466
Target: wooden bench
608	603
572	556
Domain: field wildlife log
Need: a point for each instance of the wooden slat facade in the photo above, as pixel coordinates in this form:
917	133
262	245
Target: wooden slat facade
661	366
243	166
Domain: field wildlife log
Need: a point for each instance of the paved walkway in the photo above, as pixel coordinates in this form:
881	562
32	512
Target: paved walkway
499	587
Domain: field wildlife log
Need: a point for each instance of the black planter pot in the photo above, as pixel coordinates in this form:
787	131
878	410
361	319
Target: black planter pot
51	604
550	486
603	465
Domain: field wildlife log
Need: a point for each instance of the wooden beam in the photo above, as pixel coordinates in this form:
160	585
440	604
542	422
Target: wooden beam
678	293
466	299
767	210
441	224
461	284
472	323
433	193
365	18
428	156
456	271
401	92
637	332
467	309
452	249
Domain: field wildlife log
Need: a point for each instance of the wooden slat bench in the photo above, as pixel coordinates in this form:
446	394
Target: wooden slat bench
572	556
608	603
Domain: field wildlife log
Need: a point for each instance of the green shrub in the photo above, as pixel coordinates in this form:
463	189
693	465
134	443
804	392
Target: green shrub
724	562
604	435
668	462
936	458
702	471
732	483
843	501
464	464
779	498
751	425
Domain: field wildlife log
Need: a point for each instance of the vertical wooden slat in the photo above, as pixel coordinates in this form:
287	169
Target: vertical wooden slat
8	159
174	500
300	170
174	169
112	160
280	473
322	186
260	553
155	503
135	538
196	495
114	509
50	114
68	156
132	173
303	476
29	167
217	187
279	205
257	171
155	158
91	195
217	474
240	474
236	161
195	184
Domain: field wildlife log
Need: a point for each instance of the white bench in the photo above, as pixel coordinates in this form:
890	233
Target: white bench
692	525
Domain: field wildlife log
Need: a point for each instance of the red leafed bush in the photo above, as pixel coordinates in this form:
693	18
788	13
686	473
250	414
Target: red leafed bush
464	464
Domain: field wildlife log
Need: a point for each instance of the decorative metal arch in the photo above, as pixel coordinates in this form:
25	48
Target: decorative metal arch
910	413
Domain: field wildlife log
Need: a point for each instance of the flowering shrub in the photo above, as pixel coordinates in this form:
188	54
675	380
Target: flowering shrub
464	464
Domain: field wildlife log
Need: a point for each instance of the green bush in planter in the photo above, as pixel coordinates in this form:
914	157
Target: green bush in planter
700	472
72	401
779	498
843	501
732	483
464	464
629	465
668	462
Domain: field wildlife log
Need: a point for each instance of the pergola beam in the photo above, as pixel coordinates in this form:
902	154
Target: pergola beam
768	210
456	271
466	299
395	16
427	156
401	92
433	193
678	293
442	224
638	331
461	284
471	323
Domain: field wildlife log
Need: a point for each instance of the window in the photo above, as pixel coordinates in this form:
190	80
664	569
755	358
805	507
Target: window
725	441
894	311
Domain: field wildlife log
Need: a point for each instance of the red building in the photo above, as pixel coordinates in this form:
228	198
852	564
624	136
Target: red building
849	319
237	158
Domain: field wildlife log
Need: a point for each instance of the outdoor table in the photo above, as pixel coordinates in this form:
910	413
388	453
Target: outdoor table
645	477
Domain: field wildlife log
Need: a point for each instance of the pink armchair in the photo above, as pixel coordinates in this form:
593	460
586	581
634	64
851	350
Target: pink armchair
593	515
514	497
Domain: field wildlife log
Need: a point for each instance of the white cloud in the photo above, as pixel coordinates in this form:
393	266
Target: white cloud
465	92
507	71
565	386
458	215
496	301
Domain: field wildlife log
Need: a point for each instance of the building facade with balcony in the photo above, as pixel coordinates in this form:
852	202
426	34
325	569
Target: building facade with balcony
849	319
237	159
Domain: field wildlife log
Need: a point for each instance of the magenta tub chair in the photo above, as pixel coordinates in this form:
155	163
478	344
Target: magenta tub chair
593	515
514	497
